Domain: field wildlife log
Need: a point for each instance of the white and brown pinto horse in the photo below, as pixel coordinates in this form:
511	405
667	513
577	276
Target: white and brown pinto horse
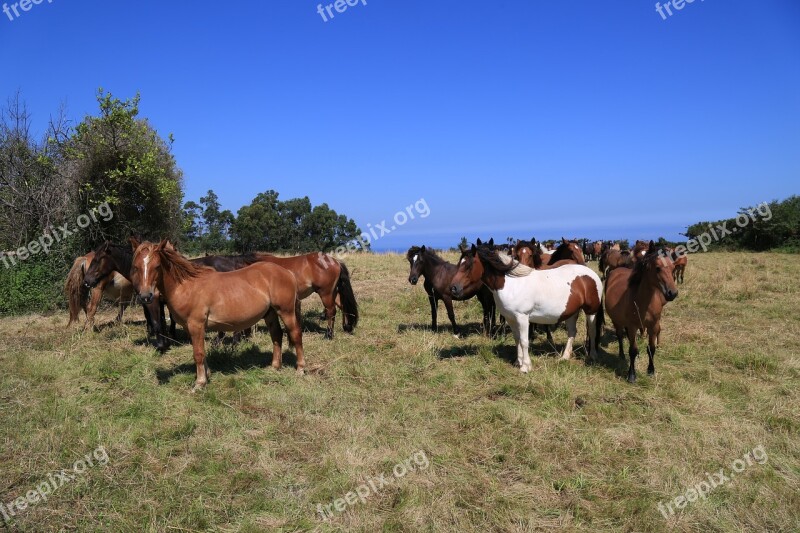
525	295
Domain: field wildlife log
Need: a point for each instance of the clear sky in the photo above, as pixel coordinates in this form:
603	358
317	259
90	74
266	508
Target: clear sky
509	117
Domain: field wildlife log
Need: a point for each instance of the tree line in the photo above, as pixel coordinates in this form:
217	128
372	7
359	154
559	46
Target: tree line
116	160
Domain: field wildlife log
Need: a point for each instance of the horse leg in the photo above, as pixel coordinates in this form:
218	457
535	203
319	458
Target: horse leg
549	334
291	319
572	330
488	313
591	334
448	304
522	326
516	327
653	334
276	333
434	304
620	334
633	352
198	335
95	296
329	302
122	306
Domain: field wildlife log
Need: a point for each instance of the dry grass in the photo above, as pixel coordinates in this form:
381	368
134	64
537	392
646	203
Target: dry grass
566	446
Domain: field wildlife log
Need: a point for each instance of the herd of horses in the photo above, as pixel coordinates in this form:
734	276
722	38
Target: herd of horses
526	283
211	293
531	285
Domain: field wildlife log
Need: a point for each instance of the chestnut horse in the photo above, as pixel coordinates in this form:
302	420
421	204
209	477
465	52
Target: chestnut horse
325	275
525	295
111	258
438	275
202	299
635	297
679	262
113	287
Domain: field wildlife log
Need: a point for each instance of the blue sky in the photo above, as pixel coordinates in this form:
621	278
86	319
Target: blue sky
510	118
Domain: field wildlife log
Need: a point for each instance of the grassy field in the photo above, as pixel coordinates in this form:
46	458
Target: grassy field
567	446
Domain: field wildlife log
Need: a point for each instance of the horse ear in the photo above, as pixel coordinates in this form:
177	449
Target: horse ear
475	249
422	250
169	246
134	242
479	242
563	240
652	247
491	241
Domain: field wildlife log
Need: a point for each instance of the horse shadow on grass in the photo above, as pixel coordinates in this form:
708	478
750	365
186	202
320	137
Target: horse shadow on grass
456	351
465	330
226	362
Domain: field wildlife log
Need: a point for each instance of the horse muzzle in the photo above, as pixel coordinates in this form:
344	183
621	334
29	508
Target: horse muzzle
413	280
456	290
670	295
146	298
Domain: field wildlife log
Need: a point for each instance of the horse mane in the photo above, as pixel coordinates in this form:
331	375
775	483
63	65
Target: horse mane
179	267
641	266
125	254
428	254
502	263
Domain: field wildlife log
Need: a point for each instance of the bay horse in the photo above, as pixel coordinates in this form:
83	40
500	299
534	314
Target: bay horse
680	262
202	299
111	258
524	295
322	274
635	298
438	275
113	287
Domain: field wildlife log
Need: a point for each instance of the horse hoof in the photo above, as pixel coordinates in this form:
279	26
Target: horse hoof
631	378
651	371
301	372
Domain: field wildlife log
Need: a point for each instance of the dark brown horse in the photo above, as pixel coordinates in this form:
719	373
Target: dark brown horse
635	297
113	286
438	275
110	258
202	299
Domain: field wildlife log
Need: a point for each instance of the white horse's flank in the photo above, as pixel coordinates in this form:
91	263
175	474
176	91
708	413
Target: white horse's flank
541	297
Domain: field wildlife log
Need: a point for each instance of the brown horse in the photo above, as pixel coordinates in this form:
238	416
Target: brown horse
680	262
613	257
438	274
635	297
325	275
113	286
109	258
202	299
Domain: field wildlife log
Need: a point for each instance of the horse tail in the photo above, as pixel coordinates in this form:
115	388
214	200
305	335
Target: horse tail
349	304
74	290
600	321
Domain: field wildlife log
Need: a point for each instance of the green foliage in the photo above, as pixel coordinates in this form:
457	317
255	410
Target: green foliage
206	227
269	224
773	225
120	159
33	285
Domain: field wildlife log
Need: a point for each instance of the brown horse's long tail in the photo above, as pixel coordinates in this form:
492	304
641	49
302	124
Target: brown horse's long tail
349	305
77	295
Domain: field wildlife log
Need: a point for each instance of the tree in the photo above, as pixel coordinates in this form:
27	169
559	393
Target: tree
119	159
34	194
269	224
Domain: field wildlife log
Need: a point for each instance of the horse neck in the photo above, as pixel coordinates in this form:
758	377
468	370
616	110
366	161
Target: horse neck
123	260
647	294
